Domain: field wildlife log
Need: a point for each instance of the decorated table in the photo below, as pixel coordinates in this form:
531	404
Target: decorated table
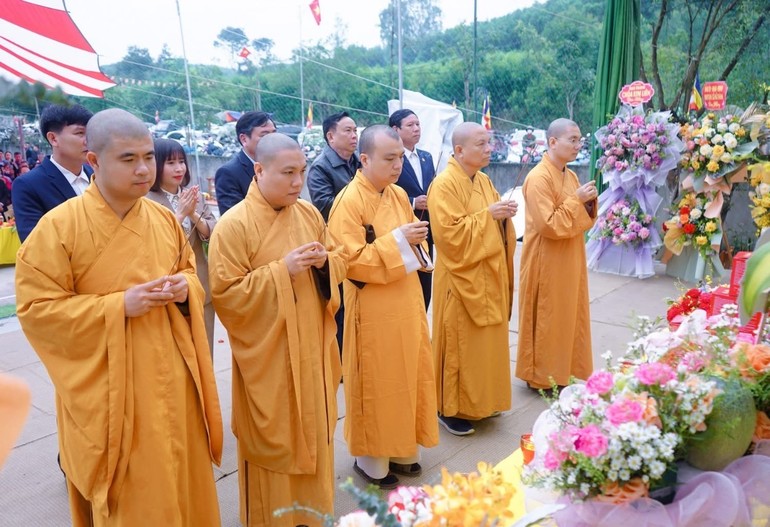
9	245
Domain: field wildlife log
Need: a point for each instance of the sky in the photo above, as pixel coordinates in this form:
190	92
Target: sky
111	26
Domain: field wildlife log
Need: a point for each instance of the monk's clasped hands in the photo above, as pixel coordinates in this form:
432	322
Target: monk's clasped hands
139	299
587	192
503	209
312	254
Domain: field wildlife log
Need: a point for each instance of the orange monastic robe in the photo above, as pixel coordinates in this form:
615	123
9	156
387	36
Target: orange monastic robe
554	322
472	292
390	401
136	404
286	365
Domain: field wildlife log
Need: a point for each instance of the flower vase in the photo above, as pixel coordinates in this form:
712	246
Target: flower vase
691	266
664	490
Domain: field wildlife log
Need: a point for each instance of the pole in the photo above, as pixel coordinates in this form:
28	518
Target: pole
301	72
400	56
475	58
196	173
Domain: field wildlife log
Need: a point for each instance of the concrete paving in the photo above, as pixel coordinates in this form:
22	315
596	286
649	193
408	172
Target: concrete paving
32	490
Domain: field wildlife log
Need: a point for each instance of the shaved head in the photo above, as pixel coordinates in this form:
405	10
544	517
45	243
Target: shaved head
370	135
465	131
560	127
109	124
273	144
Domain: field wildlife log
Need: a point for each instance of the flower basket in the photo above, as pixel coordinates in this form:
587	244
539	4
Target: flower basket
620	259
692	266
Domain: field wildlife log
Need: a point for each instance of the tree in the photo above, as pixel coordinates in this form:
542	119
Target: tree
419	19
709	25
232	39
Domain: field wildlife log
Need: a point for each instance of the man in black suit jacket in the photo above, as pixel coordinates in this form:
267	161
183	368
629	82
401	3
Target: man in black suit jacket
417	174
59	177
232	179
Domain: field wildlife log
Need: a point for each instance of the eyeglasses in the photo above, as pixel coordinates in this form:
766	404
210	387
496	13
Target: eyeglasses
575	141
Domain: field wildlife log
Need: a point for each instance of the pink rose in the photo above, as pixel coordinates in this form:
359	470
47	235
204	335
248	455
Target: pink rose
624	411
591	441
655	373
600	382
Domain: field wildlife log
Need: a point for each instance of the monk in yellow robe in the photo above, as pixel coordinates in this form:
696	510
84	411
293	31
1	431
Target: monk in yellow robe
274	275
554	322
109	299
473	285
390	401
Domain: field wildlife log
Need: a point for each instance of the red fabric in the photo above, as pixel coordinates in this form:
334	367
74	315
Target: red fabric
315	8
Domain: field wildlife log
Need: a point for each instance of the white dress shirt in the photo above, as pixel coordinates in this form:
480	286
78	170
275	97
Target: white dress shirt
414	159
79	182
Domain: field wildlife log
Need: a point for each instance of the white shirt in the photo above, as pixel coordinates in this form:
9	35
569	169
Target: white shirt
173	199
414	159
79	183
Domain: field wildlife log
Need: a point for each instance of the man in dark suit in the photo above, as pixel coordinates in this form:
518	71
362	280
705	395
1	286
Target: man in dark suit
59	177
417	174
232	179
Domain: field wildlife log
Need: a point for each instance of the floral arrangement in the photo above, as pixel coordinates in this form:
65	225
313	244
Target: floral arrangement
624	427
625	223
690	225
468	500
759	196
694	298
714	146
634	140
753	361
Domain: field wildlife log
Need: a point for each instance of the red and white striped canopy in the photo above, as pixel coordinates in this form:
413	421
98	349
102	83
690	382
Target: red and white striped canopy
39	42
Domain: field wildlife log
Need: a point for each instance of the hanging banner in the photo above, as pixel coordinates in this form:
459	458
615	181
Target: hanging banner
636	93
715	95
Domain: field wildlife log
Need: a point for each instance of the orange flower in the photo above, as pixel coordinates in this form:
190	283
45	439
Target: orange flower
762	430
650	406
617	495
757	359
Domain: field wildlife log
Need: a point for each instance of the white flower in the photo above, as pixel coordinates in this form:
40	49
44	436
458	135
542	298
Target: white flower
356	519
763	188
695	214
717	139
733	127
706	150
730	141
726	158
722	127
624	474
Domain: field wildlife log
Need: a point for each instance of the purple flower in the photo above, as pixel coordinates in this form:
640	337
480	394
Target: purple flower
619	165
618	231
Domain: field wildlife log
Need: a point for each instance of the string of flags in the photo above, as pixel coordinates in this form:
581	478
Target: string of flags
154	84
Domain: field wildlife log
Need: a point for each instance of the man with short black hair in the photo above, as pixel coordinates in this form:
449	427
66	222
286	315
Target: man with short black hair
232	179
62	176
416	176
337	163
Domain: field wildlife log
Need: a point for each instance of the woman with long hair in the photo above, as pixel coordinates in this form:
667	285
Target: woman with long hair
172	190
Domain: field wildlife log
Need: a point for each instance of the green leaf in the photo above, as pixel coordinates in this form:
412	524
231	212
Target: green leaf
755	285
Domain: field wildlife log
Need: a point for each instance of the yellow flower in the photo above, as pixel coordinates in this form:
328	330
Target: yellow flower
711	226
695	164
765	202
712	166
717	152
701	240
740	132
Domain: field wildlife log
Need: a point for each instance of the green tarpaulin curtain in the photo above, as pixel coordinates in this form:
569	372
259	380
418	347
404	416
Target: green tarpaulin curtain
620	57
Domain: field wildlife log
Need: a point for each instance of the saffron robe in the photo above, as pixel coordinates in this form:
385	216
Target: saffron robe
554	320
390	402
472	295
286	365
136	402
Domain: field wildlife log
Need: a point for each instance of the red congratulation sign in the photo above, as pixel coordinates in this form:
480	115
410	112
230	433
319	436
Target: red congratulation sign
636	93
715	95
